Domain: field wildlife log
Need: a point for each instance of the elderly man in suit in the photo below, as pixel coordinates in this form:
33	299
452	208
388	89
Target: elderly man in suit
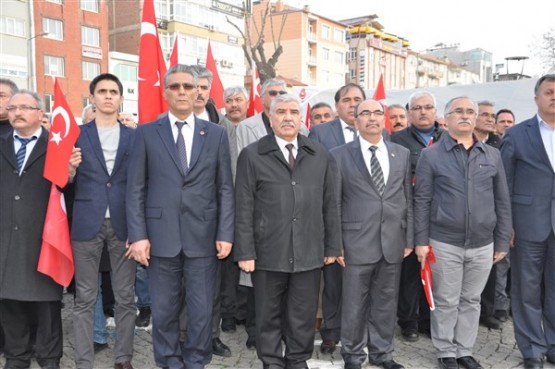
283	180
180	215
99	220
336	133
27	298
528	154
376	215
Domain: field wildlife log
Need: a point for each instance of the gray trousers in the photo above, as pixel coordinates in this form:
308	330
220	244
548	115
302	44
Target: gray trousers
458	278
86	255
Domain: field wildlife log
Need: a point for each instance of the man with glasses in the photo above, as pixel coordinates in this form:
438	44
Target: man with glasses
27	298
462	210
180	216
413	312
376	212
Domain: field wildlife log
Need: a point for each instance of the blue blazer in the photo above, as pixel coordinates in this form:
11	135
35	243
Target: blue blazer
95	189
175	210
531	181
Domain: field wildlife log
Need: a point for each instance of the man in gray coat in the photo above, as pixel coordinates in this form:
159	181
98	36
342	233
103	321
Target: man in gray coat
283	181
376	214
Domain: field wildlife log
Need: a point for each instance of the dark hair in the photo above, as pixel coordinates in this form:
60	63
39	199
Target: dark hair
321	105
105	77
547	77
343	90
501	111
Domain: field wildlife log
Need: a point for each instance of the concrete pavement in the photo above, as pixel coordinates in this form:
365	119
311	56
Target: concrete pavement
495	349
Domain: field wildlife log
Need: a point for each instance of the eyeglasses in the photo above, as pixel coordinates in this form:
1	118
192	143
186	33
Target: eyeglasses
25	108
487	115
420	107
177	86
274	93
367	113
461	111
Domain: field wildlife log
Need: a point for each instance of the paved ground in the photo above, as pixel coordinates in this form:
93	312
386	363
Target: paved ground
494	349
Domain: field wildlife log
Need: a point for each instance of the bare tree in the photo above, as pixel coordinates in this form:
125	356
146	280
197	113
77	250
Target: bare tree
253	37
545	51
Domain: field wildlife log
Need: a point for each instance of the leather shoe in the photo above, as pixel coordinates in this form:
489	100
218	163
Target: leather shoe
240	321
124	365
501	315
228	325
533	364
99	347
352	366
469	362
390	364
327	347
219	348
251	343
550	358
410	334
447	363
490	322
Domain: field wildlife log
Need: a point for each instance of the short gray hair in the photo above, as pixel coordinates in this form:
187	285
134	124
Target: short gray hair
271	83
181	68
202	72
486	103
450	103
34	95
419	94
234	90
284	98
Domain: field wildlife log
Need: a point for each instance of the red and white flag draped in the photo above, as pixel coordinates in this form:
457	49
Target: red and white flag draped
56	257
152	68
174	57
217	90
379	95
255	101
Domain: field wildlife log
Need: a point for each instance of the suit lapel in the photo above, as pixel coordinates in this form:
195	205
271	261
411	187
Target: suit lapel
338	132
535	136
393	157
358	159
8	151
91	133
199	137
165	132
124	136
39	149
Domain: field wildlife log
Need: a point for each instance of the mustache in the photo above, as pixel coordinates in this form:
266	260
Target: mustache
287	124
398	124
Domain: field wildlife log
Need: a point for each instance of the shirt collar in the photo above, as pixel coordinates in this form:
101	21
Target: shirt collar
37	134
190	120
365	145
281	143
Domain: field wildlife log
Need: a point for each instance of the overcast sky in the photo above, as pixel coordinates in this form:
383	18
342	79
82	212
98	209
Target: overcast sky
504	28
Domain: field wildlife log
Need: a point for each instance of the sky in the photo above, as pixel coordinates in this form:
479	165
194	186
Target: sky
504	28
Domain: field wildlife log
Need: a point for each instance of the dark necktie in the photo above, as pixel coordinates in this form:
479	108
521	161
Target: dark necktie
291	156
180	145
377	174
20	155
353	130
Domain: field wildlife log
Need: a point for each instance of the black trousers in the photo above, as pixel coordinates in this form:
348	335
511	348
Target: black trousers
286	306
17	318
331	302
487	302
412	309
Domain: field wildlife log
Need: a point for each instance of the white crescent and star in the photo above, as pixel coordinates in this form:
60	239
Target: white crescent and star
148	28
56	136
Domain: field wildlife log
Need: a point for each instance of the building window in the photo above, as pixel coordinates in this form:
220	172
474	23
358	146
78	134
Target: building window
352	54
12	26
338	57
90	70
90	5
48	103
325	53
54	28
352	73
90	36
326	32
126	72
53	66
338	35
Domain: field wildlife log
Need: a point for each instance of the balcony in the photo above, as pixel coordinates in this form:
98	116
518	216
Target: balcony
312	61
312	37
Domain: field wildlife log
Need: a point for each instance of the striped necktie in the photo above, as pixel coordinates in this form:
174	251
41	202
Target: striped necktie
180	145
20	155
377	173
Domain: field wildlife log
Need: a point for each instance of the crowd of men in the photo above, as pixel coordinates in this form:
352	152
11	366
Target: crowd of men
204	221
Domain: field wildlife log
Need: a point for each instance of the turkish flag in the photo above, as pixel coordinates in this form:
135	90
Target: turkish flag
175	53
379	95
255	101
56	257
307	121
62	137
426	276
217	89
152	68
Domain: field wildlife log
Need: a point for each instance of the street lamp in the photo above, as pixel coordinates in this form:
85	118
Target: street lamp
30	61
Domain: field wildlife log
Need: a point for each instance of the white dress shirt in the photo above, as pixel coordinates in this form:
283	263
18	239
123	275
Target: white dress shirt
347	131
381	155
188	131
282	143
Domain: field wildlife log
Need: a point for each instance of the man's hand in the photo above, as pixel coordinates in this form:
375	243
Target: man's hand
421	253
74	161
330	259
139	251
498	256
341	259
224	248
247	266
407	251
512	240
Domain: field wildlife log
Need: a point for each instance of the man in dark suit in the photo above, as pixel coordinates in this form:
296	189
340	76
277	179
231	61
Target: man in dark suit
180	215
27	298
99	220
528	155
336	133
376	215
282	182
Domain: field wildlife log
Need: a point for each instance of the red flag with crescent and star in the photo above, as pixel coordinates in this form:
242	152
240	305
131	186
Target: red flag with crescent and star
379	95
56	257
217	89
152	68
174	57
255	101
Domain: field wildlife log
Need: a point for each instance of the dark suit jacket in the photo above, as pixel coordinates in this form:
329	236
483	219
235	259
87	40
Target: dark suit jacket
372	225
23	203
95	189
175	210
286	221
331	135
531	181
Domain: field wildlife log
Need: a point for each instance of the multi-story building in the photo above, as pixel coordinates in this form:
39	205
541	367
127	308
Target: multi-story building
373	52
314	47
477	61
425	71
